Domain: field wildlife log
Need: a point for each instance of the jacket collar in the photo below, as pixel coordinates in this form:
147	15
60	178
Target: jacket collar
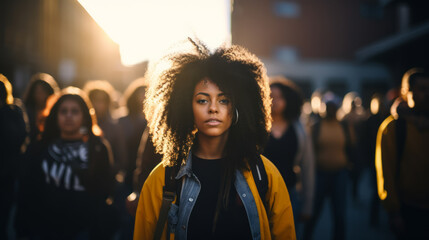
186	168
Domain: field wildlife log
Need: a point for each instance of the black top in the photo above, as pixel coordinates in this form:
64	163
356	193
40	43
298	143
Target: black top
232	223
67	204
63	187
282	151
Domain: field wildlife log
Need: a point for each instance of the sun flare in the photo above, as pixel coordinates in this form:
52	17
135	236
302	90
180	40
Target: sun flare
144	29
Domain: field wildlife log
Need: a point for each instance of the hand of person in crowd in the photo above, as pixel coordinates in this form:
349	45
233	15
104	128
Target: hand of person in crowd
131	203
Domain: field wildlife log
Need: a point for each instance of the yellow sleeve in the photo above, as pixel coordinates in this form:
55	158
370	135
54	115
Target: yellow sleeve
279	207
385	164
149	205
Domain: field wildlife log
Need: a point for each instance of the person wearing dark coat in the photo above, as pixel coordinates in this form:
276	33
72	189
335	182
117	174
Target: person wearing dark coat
13	132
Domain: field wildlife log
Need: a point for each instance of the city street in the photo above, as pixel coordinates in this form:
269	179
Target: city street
358	215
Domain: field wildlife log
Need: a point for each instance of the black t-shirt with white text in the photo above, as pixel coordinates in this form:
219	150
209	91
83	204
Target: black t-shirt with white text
67	204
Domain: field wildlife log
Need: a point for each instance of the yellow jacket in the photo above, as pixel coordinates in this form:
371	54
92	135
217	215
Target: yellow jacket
275	223
409	184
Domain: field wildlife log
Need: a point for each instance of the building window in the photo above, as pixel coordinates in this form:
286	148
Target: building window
286	9
286	53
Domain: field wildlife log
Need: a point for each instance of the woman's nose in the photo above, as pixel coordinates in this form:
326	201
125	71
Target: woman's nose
213	108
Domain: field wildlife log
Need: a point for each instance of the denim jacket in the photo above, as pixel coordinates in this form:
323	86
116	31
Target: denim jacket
178	217
275	221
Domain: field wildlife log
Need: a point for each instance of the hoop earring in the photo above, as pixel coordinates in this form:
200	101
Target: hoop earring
236	118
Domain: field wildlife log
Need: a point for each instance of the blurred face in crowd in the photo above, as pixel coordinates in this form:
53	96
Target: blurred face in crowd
421	94
70	118
40	95
100	102
278	103
212	110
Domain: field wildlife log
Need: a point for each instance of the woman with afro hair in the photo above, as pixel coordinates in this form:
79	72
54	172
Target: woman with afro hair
209	114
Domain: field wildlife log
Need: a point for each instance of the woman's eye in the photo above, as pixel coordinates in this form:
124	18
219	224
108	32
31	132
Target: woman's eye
224	101
63	111
201	101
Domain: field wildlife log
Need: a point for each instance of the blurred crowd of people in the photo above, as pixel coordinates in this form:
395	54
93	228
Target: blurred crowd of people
66	160
73	160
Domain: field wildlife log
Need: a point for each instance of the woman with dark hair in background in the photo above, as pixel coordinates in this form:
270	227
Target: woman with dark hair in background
209	115
41	86
67	176
290	148
12	135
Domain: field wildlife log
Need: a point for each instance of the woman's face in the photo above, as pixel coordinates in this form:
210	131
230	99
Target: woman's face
212	109
100	102
421	94
279	102
70	117
40	95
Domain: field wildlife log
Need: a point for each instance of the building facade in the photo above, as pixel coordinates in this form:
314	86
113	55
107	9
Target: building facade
315	43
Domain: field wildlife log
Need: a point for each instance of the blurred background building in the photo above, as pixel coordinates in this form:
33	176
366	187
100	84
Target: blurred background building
59	38
357	45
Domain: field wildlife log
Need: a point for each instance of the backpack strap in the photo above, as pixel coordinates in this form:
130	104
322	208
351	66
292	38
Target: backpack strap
168	196
261	179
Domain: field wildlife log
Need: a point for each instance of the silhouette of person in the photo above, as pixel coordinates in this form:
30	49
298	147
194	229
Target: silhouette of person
13	132
133	123
41	86
289	146
100	93
402	154
331	141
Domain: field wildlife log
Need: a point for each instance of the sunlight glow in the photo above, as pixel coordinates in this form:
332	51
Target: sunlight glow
375	106
145	29
348	101
316	102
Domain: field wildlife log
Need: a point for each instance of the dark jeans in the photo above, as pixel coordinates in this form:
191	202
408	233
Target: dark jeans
331	185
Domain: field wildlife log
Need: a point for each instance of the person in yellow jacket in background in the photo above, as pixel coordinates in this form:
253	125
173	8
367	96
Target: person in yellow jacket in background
401	158
209	114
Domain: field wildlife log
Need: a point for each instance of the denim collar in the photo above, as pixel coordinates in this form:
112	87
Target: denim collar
186	169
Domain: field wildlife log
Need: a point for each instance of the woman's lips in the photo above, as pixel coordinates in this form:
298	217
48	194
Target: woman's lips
213	122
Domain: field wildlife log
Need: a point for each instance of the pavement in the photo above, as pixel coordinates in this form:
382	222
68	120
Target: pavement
358	215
